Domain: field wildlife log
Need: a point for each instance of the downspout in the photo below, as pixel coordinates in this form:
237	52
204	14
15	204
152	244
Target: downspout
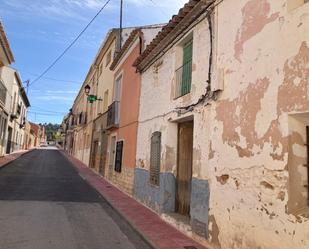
209	95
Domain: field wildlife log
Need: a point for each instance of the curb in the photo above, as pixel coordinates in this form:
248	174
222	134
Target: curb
8	162
140	233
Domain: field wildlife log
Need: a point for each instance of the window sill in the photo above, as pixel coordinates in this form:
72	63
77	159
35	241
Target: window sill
176	98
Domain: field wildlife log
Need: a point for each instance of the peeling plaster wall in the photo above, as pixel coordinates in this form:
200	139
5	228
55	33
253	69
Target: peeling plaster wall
265	59
245	145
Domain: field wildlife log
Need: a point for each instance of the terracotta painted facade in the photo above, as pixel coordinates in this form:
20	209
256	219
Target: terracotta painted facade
127	94
126	129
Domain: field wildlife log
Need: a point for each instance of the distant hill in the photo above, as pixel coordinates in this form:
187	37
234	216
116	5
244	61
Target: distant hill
51	131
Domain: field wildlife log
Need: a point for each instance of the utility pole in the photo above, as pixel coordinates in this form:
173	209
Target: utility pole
27	85
120	29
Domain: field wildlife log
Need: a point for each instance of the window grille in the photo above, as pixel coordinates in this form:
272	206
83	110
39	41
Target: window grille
155	158
118	157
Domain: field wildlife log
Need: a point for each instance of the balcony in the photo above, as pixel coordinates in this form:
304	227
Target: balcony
183	79
113	115
18	110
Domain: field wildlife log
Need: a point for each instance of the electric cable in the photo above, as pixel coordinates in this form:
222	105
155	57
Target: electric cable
71	44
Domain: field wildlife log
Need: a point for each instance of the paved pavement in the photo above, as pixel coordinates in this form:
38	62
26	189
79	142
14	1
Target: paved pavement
45	204
157	232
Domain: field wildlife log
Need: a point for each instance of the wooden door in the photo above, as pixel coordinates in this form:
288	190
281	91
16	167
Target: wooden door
112	152
184	167
104	140
94	154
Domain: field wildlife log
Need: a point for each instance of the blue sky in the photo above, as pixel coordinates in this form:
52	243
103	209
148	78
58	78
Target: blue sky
39	30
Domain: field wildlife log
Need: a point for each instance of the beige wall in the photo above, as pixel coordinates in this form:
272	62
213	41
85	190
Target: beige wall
106	80
13	89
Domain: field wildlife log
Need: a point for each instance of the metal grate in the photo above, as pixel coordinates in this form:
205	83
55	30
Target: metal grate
2	93
155	158
113	114
118	157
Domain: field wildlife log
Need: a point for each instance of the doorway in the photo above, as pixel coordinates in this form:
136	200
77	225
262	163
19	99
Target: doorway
184	168
112	152
95	155
104	142
9	143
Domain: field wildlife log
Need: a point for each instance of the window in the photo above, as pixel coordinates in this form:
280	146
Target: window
298	162
307	162
117	89
105	101
118	157
100	69
108	58
155	158
2	92
184	72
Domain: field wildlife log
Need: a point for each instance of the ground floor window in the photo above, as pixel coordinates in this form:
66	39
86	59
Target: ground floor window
298	162
307	163
118	157
155	158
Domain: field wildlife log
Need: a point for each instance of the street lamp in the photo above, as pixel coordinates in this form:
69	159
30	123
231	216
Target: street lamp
91	98
87	89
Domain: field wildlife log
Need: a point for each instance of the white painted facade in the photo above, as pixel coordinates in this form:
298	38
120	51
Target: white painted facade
245	142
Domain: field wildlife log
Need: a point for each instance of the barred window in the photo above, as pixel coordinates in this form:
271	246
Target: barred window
2	93
118	157
155	158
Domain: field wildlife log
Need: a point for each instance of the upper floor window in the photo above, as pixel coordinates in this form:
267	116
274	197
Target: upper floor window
184	72
2	93
108	58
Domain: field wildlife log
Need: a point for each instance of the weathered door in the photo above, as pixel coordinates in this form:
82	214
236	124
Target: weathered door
9	142
95	155
184	167
112	152
104	139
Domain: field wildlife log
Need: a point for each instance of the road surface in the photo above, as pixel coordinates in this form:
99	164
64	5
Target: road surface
45	204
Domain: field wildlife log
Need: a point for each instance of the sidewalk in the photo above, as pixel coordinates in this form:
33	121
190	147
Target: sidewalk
11	157
151	227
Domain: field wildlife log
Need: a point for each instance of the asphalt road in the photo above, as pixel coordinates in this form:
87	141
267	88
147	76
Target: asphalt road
45	204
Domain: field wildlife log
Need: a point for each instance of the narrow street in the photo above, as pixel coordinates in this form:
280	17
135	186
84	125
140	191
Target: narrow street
45	204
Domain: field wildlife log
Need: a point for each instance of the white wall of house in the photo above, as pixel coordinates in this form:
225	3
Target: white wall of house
245	143
264	57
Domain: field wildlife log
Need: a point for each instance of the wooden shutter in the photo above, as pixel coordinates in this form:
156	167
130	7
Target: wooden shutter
118	157
187	68
155	158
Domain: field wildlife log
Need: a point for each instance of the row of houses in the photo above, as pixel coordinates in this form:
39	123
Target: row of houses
205	120
16	133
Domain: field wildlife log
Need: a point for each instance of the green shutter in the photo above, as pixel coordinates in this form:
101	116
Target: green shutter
187	69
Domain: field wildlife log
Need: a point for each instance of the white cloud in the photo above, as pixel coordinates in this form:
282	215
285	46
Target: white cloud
51	97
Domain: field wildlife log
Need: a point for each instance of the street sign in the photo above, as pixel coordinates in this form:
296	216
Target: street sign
91	98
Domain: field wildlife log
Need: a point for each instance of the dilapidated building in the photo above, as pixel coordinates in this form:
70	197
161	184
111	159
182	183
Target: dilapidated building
223	123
